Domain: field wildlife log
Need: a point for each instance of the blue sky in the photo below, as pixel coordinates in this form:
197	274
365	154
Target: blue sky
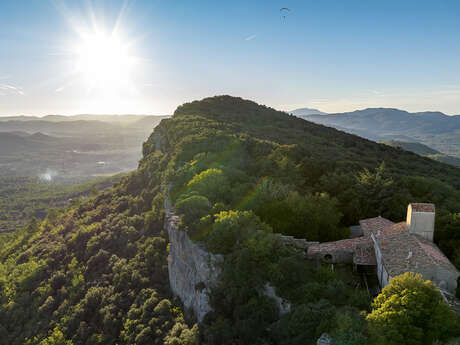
332	55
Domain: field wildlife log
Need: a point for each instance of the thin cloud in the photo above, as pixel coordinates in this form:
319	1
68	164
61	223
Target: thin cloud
319	101
250	38
448	92
6	89
378	93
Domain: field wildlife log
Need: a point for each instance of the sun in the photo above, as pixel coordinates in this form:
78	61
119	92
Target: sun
103	69
104	61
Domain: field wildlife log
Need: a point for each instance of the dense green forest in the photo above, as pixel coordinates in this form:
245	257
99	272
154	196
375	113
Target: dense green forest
97	272
94	274
22	198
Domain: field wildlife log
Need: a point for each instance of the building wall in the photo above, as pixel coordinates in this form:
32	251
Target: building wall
443	278
332	256
385	278
446	279
382	273
421	223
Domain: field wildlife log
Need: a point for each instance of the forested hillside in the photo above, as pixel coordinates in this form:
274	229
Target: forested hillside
23	198
237	171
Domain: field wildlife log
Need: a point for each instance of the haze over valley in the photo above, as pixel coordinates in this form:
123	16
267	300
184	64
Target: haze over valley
72	148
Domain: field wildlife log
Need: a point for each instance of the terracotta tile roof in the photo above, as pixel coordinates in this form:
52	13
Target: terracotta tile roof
342	245
436	254
400	253
403	252
420	207
394	229
373	225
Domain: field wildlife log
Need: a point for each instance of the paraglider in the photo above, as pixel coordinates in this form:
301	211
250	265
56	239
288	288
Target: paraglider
285	12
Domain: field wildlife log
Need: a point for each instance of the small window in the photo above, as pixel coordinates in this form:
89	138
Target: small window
328	257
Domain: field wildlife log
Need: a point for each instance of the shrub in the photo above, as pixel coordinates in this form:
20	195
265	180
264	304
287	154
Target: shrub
411	311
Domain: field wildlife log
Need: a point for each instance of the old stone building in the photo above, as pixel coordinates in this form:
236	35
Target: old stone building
391	249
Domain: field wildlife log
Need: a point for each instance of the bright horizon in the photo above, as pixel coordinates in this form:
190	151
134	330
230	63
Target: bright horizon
144	57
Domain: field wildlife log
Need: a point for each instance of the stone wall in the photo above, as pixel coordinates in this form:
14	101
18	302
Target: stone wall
283	305
298	243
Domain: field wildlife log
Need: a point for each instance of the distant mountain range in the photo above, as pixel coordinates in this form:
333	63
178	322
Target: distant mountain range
23	142
436	130
306	112
86	117
424	150
417	148
59	125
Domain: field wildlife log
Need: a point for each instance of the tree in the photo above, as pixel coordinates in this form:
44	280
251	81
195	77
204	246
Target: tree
376	190
56	338
312	216
233	228
211	183
411	311
192	209
320	218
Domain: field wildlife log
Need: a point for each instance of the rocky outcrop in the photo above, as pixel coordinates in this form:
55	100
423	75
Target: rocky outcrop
159	138
325	339
283	305
192	270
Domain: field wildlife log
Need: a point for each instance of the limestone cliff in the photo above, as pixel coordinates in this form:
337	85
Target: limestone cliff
192	270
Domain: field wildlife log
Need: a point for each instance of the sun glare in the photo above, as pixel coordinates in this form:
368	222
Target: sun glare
104	61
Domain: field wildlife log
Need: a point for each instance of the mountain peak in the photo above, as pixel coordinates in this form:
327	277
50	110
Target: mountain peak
306	111
228	108
378	110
